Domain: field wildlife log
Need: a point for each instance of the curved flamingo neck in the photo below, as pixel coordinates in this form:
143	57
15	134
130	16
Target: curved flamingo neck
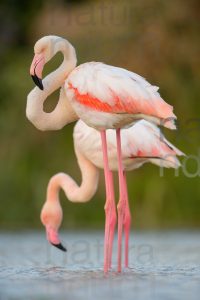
55	80
75	193
63	112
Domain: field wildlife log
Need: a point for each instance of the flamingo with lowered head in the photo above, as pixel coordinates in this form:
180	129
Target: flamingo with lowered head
141	143
103	96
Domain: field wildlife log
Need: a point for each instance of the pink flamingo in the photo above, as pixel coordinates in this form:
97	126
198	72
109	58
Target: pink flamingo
87	145
104	97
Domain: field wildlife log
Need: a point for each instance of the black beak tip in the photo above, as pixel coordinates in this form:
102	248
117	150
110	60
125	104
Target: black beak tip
38	81
60	246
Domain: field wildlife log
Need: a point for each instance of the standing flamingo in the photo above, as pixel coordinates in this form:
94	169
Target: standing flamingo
87	144
104	97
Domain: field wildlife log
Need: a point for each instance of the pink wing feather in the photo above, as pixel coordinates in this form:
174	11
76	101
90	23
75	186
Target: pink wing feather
146	140
141	143
116	90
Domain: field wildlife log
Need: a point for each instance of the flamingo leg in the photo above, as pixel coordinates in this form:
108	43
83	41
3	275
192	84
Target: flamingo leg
110	213
127	225
113	221
121	207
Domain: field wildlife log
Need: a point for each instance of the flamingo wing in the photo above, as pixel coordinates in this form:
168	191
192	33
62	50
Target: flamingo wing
115	90
141	143
144	139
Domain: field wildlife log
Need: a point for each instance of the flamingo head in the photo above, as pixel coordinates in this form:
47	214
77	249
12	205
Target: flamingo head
51	217
44	49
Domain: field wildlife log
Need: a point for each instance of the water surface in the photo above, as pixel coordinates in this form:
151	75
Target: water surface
163	265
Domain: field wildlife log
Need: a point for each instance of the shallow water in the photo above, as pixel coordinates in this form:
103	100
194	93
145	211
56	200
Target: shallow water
163	265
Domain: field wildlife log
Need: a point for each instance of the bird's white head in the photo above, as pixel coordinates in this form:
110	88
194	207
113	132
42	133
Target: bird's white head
44	49
51	217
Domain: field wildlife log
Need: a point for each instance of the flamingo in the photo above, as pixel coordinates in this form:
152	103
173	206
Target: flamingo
87	144
104	97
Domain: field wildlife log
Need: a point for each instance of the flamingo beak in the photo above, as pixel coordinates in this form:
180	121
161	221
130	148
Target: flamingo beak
52	237
36	70
60	246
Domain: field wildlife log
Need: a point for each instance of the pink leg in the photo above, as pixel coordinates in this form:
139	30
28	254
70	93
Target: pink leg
109	206
127	225
122	198
113	221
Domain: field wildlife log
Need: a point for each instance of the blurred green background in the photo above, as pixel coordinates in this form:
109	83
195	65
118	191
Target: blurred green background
158	39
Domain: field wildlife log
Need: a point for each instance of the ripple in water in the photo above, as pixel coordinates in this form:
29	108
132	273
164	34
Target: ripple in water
163	266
